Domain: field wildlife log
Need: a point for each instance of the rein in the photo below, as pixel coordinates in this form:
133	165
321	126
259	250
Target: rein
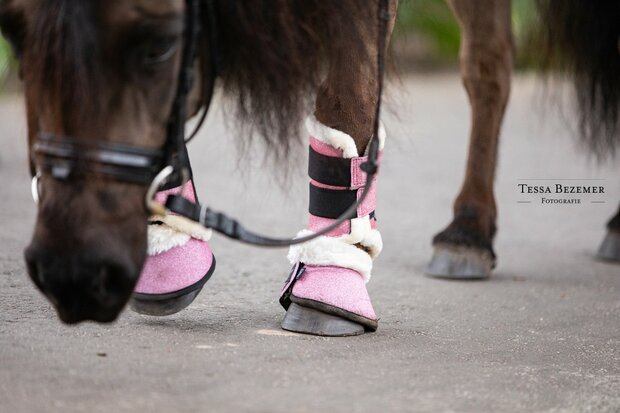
65	157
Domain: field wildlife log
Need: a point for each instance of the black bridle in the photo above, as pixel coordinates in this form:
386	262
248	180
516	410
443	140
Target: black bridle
65	157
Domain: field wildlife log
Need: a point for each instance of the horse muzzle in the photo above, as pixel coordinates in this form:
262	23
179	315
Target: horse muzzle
82	285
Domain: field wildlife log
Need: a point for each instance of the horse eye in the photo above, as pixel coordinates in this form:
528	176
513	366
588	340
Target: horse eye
159	50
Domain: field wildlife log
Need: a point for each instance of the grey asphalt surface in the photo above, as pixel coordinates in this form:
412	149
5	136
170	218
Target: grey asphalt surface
543	335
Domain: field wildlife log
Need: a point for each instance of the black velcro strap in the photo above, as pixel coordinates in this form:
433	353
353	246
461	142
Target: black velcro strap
329	170
330	203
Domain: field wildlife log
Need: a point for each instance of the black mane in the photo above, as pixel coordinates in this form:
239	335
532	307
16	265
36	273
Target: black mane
273	52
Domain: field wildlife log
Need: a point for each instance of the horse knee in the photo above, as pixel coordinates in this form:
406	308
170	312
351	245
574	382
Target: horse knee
486	70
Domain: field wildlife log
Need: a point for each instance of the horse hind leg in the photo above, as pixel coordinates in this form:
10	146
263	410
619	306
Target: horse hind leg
464	250
610	247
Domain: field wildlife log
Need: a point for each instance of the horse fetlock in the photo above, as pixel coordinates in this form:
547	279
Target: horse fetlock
610	247
473	226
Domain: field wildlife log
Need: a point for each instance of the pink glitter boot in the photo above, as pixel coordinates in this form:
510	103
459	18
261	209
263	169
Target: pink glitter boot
325	293
178	265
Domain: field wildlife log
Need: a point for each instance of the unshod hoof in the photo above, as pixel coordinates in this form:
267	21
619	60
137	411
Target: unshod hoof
310	321
460	263
610	247
163	307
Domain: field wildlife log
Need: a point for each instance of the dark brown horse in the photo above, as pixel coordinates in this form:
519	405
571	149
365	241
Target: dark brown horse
107	71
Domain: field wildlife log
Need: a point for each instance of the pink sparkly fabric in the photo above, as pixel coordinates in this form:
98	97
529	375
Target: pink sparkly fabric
188	193
336	286
317	223
176	268
325	149
179	267
370	203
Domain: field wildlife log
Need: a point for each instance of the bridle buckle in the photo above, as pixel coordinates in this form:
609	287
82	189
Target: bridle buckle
160	179
35	189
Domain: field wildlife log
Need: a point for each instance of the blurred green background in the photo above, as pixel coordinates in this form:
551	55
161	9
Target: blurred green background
427	35
6	59
426	38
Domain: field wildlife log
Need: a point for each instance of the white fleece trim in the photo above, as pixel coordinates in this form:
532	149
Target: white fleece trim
338	139
373	242
174	232
325	251
162	238
185	226
363	234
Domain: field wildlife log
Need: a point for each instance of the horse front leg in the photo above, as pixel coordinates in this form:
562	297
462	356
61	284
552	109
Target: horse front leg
325	293
464	250
610	248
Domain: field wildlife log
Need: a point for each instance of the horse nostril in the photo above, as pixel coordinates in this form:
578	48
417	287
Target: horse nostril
37	272
112	283
103	281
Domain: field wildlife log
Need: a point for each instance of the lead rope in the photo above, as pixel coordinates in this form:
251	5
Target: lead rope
194	216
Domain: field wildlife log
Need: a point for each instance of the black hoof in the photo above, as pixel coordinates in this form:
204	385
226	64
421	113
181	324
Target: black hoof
310	321
163	307
170	303
460	263
610	248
